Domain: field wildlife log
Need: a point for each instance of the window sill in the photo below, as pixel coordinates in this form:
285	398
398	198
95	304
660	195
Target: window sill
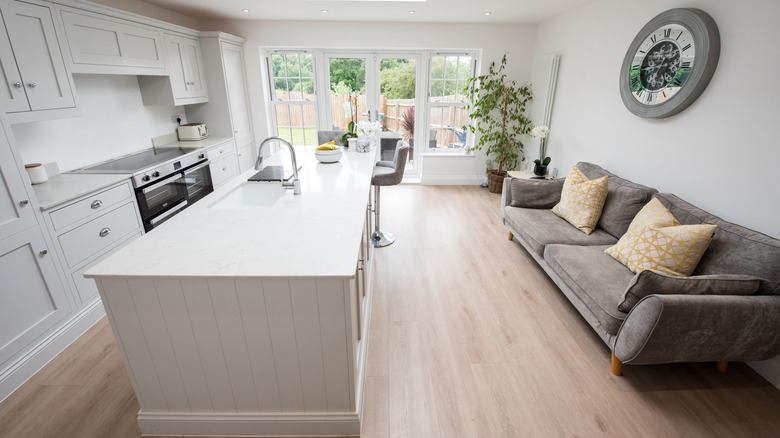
447	154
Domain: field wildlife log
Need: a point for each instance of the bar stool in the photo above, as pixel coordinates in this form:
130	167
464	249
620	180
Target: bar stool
387	173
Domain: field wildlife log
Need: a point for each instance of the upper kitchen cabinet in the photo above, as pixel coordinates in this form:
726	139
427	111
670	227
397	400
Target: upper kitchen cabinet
228	112
101	44
36	83
187	81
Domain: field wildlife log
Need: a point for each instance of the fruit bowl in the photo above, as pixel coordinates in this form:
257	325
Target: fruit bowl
328	156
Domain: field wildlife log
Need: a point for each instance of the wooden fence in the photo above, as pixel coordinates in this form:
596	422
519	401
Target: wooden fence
444	121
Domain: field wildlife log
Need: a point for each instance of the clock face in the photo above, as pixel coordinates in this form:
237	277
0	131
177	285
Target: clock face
662	64
669	63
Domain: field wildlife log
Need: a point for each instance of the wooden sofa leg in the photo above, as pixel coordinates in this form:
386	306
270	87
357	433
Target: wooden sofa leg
510	236
722	366
617	365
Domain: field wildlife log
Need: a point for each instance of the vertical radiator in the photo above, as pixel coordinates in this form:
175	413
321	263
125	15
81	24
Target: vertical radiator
543	88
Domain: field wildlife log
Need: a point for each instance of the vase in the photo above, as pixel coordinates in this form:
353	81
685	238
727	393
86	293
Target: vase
540	170
363	143
352	143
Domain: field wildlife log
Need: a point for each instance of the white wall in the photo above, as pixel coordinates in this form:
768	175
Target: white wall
494	40
113	122
719	154
151	11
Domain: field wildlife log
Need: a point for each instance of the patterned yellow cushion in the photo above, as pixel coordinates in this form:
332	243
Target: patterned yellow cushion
655	240
582	200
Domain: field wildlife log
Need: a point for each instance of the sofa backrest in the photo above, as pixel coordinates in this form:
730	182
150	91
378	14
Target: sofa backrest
624	199
734	249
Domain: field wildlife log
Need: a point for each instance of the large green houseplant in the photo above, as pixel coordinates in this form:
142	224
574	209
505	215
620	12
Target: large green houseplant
498	106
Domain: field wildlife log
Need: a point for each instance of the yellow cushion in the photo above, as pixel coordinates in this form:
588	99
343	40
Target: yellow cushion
655	240
582	200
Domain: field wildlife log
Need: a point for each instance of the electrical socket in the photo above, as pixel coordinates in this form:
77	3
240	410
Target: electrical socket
175	118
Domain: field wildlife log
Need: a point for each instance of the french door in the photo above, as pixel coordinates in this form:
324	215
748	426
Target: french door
381	87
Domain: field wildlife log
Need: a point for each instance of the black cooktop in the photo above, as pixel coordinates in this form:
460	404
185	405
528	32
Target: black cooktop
135	161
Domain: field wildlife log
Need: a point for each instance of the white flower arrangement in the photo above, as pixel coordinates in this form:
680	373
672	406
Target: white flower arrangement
540	131
369	128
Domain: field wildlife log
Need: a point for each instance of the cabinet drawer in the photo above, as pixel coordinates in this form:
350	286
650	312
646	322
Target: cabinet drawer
92	205
86	289
98	234
217	152
223	169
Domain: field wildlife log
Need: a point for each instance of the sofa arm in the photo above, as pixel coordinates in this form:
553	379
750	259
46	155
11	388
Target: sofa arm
531	193
700	328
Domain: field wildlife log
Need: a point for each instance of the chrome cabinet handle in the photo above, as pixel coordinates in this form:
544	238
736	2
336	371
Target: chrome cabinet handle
224	168
43	252
31	84
24	202
104	232
96	204
18	84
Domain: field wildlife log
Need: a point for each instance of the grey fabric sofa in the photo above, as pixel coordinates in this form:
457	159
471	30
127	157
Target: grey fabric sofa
684	321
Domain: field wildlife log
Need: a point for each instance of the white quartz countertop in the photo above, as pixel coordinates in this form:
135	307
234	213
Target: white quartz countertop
315	234
69	186
199	144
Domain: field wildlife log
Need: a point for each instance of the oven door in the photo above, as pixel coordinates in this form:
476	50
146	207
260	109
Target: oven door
158	197
197	180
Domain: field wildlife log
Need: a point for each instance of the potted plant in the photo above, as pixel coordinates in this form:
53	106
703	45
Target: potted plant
498	106
351	125
540	164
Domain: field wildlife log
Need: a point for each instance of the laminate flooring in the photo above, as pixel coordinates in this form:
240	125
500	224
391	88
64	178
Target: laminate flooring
468	338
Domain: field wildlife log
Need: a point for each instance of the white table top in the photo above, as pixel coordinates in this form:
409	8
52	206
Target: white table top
314	234
69	186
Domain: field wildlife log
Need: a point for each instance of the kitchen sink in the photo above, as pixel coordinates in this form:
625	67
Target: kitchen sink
251	195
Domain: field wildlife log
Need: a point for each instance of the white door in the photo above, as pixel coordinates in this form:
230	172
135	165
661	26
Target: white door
31	32
233	60
12	95
193	68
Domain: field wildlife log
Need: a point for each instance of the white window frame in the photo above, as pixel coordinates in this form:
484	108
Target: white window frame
475	63
273	102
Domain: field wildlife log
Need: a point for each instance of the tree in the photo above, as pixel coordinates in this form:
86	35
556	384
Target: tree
399	81
350	71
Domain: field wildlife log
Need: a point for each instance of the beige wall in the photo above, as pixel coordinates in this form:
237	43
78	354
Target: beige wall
494	40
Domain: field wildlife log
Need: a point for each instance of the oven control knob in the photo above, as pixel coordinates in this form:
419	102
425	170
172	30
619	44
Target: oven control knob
145	178
201	156
155	174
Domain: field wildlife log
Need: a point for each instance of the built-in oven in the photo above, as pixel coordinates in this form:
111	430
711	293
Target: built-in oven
161	199
197	182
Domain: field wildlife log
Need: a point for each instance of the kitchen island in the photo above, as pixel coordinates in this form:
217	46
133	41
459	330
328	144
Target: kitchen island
251	320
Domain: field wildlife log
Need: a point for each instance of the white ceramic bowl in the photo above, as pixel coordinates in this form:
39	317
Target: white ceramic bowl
328	156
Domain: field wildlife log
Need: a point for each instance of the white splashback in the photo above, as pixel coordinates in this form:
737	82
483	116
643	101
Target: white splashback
113	122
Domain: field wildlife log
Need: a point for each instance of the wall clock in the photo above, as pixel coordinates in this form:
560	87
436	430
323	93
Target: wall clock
669	63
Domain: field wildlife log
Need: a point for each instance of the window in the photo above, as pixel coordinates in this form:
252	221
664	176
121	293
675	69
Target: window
448	100
293	98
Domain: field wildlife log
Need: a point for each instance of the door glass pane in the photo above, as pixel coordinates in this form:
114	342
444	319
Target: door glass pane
347	91
447	104
397	87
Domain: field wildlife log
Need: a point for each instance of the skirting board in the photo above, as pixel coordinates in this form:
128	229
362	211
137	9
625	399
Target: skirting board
251	424
29	364
452	180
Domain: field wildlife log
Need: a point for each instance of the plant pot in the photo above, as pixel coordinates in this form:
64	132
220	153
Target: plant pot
351	142
540	170
495	181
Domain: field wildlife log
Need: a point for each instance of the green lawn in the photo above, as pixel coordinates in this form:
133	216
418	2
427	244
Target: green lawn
298	136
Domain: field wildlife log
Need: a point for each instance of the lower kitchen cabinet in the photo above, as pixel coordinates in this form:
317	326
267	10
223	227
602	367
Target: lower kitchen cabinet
90	228
224	163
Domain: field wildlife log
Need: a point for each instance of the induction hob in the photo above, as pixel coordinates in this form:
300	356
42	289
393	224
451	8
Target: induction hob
148	165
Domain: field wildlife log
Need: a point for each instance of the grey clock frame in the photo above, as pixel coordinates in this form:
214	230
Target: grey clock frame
706	39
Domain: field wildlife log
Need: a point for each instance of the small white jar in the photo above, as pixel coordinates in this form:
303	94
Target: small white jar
37	173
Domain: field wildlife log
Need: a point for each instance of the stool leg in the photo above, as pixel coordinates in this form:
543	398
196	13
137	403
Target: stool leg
379	238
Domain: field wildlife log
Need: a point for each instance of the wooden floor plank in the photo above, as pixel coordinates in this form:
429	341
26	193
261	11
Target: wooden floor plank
469	337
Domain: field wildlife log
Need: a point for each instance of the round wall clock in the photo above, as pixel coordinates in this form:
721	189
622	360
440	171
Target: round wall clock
669	63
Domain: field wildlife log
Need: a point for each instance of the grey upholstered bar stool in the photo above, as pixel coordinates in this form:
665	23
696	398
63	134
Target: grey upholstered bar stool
326	136
387	173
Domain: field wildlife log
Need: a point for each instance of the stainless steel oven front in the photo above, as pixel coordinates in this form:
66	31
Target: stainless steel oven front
197	180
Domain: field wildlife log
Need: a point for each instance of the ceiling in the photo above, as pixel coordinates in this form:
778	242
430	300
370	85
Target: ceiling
457	11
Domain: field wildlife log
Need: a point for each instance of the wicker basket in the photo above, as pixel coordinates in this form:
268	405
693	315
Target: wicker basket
495	181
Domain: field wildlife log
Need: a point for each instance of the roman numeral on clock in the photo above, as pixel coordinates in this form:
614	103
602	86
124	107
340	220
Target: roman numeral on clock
686	47
686	64
653	38
667	33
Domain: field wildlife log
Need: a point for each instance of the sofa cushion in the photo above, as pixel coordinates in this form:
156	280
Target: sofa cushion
656	241
734	249
596	278
541	227
624	199
582	200
535	193
653	283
